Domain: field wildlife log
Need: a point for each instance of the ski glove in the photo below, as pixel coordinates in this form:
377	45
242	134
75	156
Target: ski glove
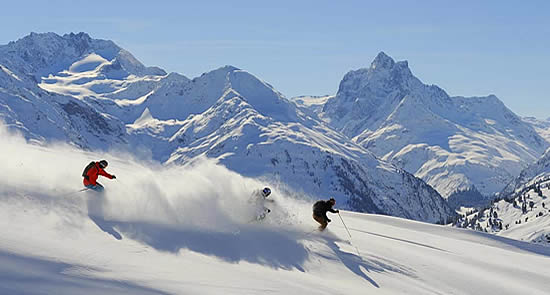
328	220
114	177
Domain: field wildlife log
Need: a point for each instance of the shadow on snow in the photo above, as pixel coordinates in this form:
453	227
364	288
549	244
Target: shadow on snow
252	243
26	275
363	264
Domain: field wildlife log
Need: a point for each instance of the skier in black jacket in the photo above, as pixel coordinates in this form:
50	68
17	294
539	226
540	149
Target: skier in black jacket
320	209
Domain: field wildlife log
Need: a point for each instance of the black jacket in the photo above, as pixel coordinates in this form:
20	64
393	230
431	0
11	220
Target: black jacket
320	208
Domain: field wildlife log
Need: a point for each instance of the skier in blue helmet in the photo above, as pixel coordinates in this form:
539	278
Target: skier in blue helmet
259	198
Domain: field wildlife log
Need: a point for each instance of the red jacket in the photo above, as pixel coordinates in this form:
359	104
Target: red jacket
94	173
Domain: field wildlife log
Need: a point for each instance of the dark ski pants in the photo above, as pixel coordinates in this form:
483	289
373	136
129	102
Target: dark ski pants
321	220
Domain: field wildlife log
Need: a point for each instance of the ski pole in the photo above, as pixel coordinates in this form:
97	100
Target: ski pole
350	239
68	194
344	224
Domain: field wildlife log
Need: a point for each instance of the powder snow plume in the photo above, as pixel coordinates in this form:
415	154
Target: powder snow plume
199	196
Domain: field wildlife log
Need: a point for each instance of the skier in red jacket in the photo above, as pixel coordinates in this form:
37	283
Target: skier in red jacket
92	172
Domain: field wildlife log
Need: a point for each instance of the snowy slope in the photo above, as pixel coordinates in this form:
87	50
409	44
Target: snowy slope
252	129
46	82
541	126
227	114
42	115
186	230
308	157
533	173
511	215
453	143
524	215
74	83
313	104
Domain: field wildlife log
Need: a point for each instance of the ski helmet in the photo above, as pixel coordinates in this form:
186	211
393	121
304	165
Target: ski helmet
103	163
266	192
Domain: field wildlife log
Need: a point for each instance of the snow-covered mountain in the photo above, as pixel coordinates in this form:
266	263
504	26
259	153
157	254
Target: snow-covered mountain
453	143
533	173
313	104
303	155
522	209
41	115
541	126
523	214
49	85
39	55
187	230
107	99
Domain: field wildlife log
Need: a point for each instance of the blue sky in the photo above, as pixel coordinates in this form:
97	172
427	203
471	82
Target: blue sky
469	48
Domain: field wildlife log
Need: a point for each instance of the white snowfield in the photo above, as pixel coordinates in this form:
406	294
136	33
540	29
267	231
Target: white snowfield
187	230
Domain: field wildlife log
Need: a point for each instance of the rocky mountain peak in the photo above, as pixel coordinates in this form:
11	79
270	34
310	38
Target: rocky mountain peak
382	61
51	43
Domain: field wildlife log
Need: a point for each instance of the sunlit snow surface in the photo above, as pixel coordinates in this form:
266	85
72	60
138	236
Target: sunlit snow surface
187	230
